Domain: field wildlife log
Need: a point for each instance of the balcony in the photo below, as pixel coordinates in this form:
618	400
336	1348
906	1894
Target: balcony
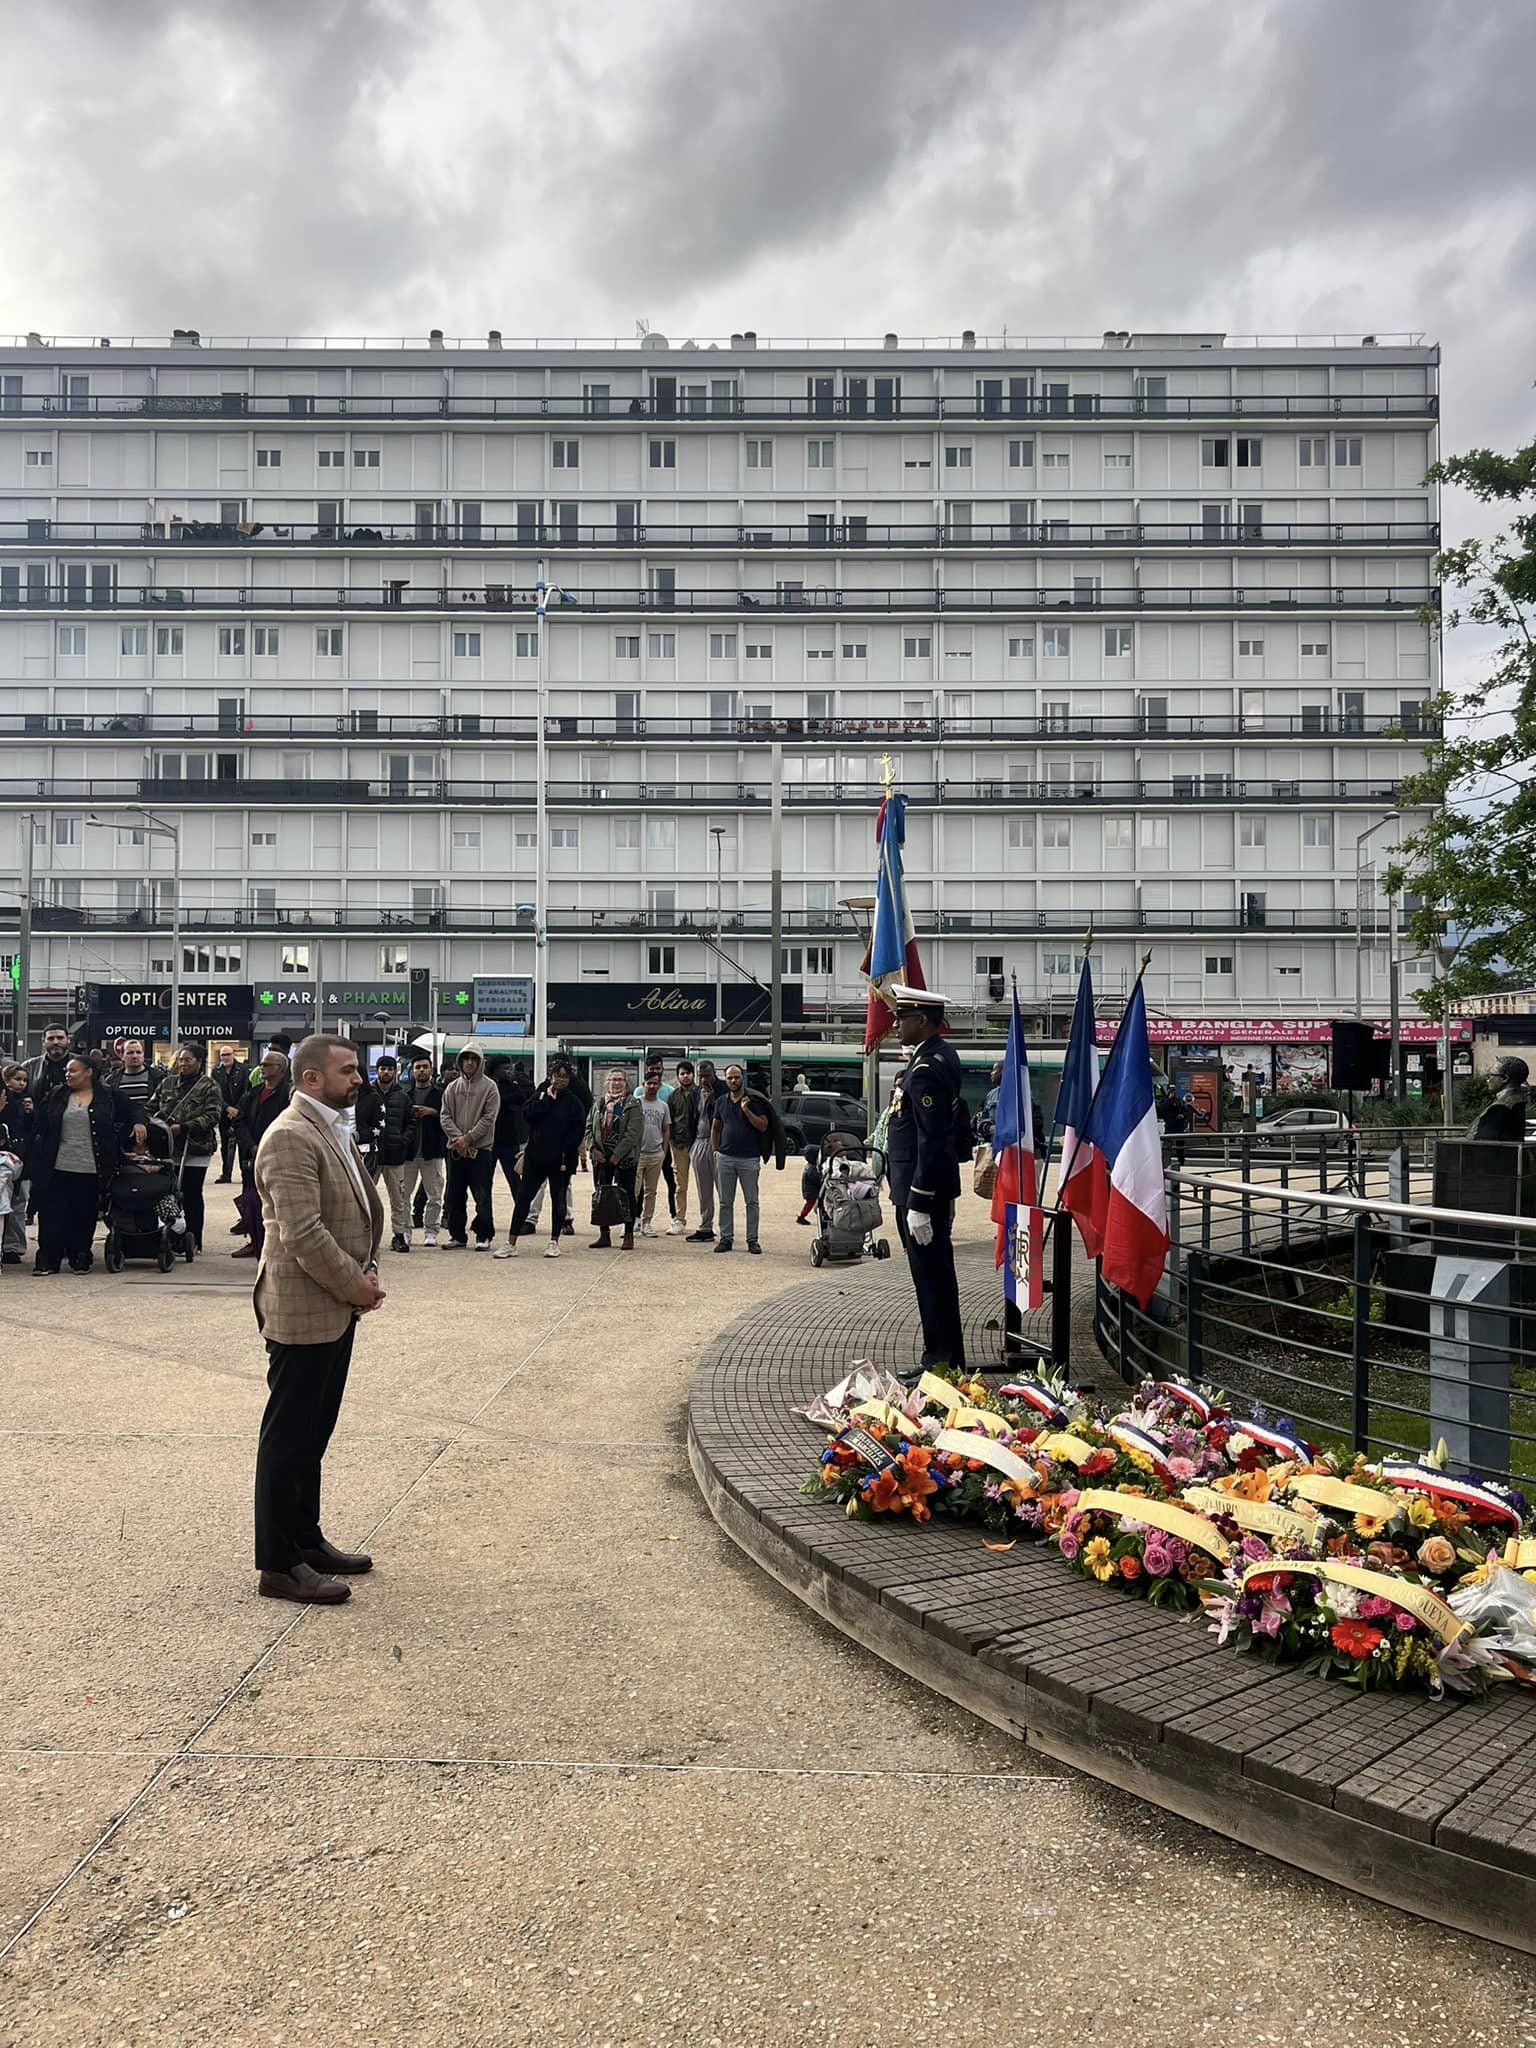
1186	792
478	920
473	729
841	534
1088	597
708	411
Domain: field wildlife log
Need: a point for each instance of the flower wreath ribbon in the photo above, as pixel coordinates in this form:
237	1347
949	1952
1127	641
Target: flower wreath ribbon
944	1393
1465	1493
1340	1494
1263	1517
963	1443
1069	1450
882	1411
1418	1601
1196	1530
978	1418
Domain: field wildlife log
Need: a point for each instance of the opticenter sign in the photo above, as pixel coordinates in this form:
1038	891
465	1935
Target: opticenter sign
196	1000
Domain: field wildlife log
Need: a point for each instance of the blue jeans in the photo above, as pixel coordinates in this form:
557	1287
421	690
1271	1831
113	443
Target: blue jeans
731	1173
16	1223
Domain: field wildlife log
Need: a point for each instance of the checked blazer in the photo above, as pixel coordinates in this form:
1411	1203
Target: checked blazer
323	1228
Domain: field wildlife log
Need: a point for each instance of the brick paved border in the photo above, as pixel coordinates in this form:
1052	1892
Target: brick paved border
1424	1804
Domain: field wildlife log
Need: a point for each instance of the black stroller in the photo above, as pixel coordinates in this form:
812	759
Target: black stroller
145	1217
847	1203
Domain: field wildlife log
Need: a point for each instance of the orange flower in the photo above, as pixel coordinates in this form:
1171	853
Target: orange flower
1254	1485
881	1491
1130	1568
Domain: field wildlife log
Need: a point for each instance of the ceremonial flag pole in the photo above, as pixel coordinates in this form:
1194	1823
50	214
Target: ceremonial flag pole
1015	1191
1122	1127
1082	1189
892	956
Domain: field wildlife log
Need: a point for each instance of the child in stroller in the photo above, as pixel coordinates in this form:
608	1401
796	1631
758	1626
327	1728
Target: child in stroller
145	1219
847	1200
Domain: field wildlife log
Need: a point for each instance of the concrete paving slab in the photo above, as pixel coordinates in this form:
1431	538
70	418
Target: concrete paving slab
56	1808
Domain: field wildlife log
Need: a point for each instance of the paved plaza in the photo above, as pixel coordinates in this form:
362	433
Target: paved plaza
567	1768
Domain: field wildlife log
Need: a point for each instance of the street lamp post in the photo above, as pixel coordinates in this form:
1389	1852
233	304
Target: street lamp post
1392	939
717	833
162	827
24	939
540	835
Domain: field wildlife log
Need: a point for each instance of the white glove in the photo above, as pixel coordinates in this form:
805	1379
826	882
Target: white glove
919	1228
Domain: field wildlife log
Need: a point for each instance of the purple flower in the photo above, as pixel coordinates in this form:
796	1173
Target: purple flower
1156	1561
1067	1544
1255	1549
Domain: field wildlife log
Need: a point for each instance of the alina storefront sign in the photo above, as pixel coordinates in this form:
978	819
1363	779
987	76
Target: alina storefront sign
668	1005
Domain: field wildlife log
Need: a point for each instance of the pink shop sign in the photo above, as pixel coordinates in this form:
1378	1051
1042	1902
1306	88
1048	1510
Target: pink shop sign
1274	1031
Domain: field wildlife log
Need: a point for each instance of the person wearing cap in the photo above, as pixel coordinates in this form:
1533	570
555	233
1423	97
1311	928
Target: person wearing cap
923	1163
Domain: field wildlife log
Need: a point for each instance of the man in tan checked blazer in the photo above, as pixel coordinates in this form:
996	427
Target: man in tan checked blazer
318	1274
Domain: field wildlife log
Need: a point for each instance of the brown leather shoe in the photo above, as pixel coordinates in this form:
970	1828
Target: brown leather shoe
304	1584
246	1251
325	1557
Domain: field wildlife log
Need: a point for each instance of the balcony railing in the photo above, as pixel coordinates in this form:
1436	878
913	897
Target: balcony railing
711	409
471	536
474	729
473	918
169	599
1192	792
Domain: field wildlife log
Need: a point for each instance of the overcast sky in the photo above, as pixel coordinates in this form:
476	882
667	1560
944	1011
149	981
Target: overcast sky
799	166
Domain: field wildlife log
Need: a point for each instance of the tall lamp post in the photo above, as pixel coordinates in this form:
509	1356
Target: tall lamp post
24	938
1392	947
717	833
147	821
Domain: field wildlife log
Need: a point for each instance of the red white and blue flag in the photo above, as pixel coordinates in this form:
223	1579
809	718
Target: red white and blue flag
1083	1190
892	940
1016	1191
1122	1123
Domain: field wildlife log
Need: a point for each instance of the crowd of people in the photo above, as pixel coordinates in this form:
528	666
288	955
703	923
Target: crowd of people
436	1143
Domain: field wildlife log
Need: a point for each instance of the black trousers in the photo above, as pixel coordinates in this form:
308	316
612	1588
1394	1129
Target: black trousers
67	1209
305	1385
229	1151
469	1179
932	1267
506	1159
535	1173
193	1174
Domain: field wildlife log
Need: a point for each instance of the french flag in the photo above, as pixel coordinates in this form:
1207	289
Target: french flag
1122	1123
1083	1190
892	941
1015	1191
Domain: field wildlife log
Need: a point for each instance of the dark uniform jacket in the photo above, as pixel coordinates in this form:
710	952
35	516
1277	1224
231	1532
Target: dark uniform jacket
387	1126
922	1141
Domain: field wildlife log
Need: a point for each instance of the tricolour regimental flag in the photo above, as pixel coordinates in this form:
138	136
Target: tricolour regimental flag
1122	1123
892	940
1083	1190
1015	1191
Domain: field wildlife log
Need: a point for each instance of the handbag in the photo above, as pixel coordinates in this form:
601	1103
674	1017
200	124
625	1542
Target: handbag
984	1171
610	1205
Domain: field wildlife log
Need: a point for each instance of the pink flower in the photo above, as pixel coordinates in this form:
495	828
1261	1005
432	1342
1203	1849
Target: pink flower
1401	1621
1156	1560
1177	1549
1067	1544
1374	1608
1255	1549
1183	1469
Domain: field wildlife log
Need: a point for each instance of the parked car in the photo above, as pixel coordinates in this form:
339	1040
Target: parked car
1291	1121
808	1118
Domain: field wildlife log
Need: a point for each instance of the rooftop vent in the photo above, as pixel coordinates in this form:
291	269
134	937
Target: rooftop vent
34	341
493	339
891	341
735	341
749	338
1368	341
968	338
690	343
185	337
1117	337
435	338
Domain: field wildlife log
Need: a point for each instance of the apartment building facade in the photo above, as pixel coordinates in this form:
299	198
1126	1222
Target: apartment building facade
1137	626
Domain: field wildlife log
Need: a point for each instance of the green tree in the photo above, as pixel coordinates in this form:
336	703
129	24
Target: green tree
1473	866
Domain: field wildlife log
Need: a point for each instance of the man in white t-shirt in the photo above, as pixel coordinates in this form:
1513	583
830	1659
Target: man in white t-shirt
653	1149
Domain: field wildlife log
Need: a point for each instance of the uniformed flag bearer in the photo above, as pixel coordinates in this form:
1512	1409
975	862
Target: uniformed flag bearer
925	1136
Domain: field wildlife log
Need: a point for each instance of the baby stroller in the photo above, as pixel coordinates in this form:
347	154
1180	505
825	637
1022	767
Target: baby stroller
847	1204
145	1218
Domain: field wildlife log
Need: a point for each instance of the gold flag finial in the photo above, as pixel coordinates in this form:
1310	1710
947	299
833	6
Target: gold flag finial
1087	942
887	773
1146	960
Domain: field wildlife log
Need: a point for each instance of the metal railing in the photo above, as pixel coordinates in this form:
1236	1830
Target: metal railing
1308	1290
177	599
668	729
738	537
629	344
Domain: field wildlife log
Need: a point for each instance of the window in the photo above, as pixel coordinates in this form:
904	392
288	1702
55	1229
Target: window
467	836
231	639
263	839
365	458
295	960
10	392
596	399
1117	641
566	454
1316	647
1057	833
269	458
660	835
1154	835
466	644
328	640
1117	835
565	838
1058	643
1250	451
394	960
134	640
1253	647
168	639
1218	963
1021	454
1057	963
1291	973
819	653
626	835
1317	831
1252	831
39	458
1021	835
722	646
1117	462
818	455
855	650
66	831
663	454
525	644
626	646
523	836
958	457
1346	450
661	960
1215	451
917	645
1312	451
71	639
331	458
759	455
1057	459
1020	646
759	650
265	640
661	646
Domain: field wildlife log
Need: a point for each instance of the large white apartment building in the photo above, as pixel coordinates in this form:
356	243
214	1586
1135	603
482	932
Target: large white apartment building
1137	623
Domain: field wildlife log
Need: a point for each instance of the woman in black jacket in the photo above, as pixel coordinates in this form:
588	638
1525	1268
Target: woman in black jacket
556	1127
76	1145
16	1120
260	1109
